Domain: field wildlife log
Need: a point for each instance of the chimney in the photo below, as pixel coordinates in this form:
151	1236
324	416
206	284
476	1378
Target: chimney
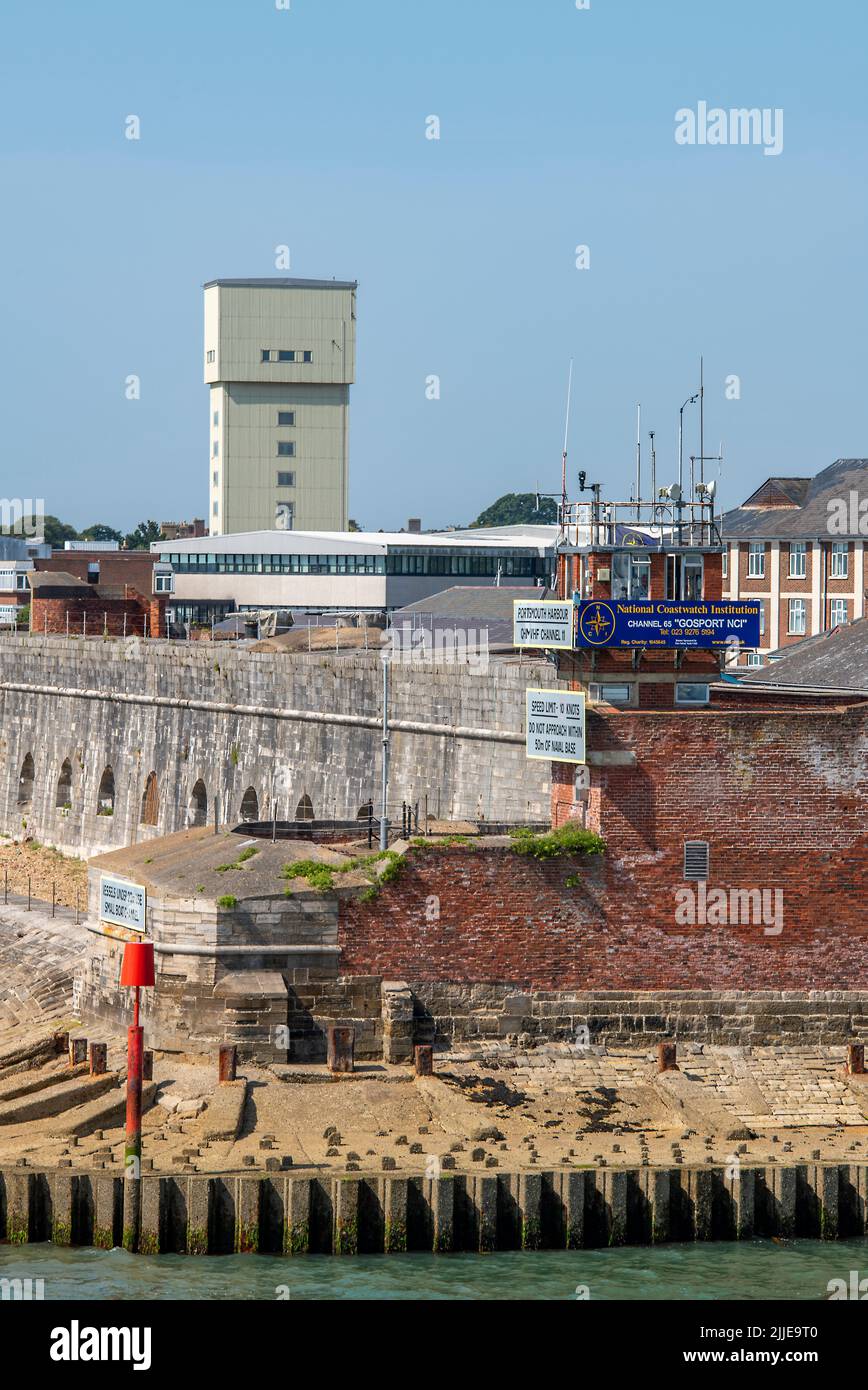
415	525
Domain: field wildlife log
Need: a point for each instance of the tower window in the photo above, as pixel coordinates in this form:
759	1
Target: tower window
286	449
286	418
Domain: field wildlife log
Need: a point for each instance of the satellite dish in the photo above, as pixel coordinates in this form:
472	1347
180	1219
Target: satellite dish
673	492
711	489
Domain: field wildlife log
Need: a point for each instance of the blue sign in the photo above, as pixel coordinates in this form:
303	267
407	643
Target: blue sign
653	623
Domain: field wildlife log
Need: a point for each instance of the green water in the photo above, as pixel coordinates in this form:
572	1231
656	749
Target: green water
755	1271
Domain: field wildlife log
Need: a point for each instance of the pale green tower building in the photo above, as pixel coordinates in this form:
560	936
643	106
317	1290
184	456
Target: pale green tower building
280	357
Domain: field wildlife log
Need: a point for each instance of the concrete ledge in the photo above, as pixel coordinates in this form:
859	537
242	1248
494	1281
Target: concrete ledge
54	1099
225	1113
104	1112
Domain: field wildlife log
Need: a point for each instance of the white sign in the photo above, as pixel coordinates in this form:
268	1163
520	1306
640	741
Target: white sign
556	725
542	624
122	903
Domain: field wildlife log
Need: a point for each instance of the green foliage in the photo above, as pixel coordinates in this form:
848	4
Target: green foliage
55	532
518	509
100	532
233	755
569	839
144	534
322	876
318	875
227	901
242	859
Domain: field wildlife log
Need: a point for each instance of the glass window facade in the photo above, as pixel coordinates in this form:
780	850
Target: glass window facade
434	561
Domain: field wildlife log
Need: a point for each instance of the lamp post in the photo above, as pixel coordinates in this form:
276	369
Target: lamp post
137	972
690	400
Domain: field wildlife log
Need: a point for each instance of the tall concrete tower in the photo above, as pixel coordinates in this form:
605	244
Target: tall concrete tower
280	356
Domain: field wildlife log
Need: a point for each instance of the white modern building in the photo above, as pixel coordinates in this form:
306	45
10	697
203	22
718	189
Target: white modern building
346	571
279	360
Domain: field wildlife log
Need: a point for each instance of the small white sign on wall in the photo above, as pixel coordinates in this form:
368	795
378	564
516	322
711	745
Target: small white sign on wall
556	725
122	903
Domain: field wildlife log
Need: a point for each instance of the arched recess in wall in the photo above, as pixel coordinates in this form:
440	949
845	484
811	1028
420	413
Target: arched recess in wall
365	812
25	782
199	804
304	809
63	799
105	797
150	801
250	805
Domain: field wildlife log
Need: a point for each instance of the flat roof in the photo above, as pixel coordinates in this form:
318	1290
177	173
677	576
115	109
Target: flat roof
277	282
356	542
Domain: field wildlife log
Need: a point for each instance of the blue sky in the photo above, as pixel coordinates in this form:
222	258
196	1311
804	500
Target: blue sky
307	127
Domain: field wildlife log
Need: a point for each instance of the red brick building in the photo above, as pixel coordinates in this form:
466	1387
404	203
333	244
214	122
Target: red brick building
798	546
113	567
63	604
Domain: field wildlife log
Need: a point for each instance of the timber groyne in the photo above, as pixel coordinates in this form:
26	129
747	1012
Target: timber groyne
287	1213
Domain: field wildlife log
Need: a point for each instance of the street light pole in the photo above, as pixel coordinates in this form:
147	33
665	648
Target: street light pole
690	400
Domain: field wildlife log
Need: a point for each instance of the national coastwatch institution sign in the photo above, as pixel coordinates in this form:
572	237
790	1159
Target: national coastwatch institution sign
556	725
122	903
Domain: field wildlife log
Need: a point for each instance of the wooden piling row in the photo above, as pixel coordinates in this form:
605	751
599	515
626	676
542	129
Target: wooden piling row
283	1213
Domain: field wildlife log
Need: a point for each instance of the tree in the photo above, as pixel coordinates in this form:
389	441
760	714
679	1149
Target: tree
100	532
519	509
144	534
55	532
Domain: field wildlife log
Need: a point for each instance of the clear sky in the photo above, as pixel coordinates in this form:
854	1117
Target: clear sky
306	126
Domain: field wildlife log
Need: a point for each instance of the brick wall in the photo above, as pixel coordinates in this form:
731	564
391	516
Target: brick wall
780	798
505	918
93	615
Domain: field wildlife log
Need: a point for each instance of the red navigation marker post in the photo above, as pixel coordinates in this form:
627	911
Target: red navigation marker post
137	971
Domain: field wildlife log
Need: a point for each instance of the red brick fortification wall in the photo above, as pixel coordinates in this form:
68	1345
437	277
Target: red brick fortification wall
780	797
490	916
773	792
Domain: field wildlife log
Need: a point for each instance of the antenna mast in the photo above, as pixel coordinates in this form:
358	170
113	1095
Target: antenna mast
702	420
566	442
638	462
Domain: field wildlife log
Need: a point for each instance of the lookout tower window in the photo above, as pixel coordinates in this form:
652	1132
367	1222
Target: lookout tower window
684	577
631	575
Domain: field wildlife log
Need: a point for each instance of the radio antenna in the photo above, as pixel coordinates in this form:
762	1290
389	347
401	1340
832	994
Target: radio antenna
566	443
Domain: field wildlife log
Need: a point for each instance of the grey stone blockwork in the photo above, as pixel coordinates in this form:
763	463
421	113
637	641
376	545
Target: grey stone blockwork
286	726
